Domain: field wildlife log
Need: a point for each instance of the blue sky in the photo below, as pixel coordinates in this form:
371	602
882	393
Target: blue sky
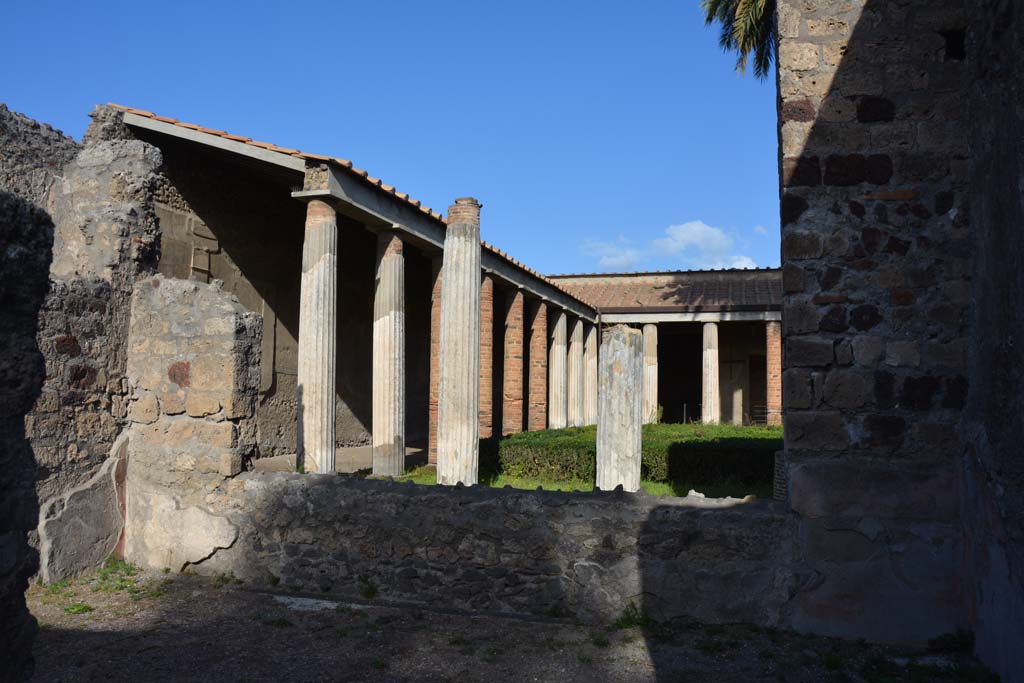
600	136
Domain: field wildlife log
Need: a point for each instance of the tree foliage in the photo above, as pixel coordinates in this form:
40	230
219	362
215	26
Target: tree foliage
747	28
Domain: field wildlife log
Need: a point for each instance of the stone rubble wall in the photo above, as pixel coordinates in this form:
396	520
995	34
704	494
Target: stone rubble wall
531	552
993	424
26	235
876	275
106	237
193	375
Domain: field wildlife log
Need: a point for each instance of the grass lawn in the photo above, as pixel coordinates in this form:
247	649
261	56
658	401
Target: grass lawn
716	460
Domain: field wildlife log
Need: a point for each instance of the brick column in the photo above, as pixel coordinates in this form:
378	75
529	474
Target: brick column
458	408
435	357
318	319
711	403
558	373
537	379
389	357
574	389
512	376
590	375
650	398
486	417
773	334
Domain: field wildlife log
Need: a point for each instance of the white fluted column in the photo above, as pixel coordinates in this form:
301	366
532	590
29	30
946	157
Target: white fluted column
318	309
619	417
711	402
458	445
590	375
575	374
650	403
558	373
389	357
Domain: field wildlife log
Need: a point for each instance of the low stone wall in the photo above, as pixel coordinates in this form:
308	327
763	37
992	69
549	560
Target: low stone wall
587	555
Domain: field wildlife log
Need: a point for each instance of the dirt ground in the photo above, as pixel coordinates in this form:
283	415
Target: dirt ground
122	624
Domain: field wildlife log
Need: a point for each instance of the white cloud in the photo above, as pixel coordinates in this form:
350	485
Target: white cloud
690	245
618	255
760	229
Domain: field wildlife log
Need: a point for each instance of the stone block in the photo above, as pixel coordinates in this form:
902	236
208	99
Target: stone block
145	408
815	431
808	351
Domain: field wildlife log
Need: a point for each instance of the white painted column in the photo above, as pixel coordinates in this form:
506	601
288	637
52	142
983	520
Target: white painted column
575	374
711	403
619	417
590	375
458	444
318	319
557	373
650	402
389	357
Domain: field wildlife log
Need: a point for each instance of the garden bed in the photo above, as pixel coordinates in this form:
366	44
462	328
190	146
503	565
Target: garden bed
716	460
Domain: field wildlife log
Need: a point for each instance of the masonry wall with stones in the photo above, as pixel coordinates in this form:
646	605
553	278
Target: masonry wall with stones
993	425
106	237
31	154
876	277
193	375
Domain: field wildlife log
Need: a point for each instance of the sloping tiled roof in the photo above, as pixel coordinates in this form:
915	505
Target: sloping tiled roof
693	290
346	164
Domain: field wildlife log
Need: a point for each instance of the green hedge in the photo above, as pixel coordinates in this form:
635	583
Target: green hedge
671	452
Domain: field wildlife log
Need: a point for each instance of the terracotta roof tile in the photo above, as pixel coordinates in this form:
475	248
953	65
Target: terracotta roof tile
750	289
344	163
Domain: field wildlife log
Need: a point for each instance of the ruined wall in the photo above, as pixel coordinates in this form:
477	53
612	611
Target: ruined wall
993	424
106	236
26	235
193	373
32	155
875	256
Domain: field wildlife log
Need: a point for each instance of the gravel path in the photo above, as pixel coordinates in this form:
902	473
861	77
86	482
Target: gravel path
125	625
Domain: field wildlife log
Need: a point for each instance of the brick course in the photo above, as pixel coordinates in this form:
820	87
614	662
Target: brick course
537	410
487	357
773	339
512	386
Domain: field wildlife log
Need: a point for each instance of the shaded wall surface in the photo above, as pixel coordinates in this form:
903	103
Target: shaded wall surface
233	220
26	235
876	279
993	424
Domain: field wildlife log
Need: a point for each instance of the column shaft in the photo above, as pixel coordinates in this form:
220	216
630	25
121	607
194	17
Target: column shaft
389	357
574	391
619	418
486	357
711	403
512	373
435	359
537	418
557	373
318	309
590	375
458	445
650	381
773	334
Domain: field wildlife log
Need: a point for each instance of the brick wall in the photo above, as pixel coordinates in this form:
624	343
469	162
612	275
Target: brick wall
512	391
537	370
486	357
876	286
773	363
